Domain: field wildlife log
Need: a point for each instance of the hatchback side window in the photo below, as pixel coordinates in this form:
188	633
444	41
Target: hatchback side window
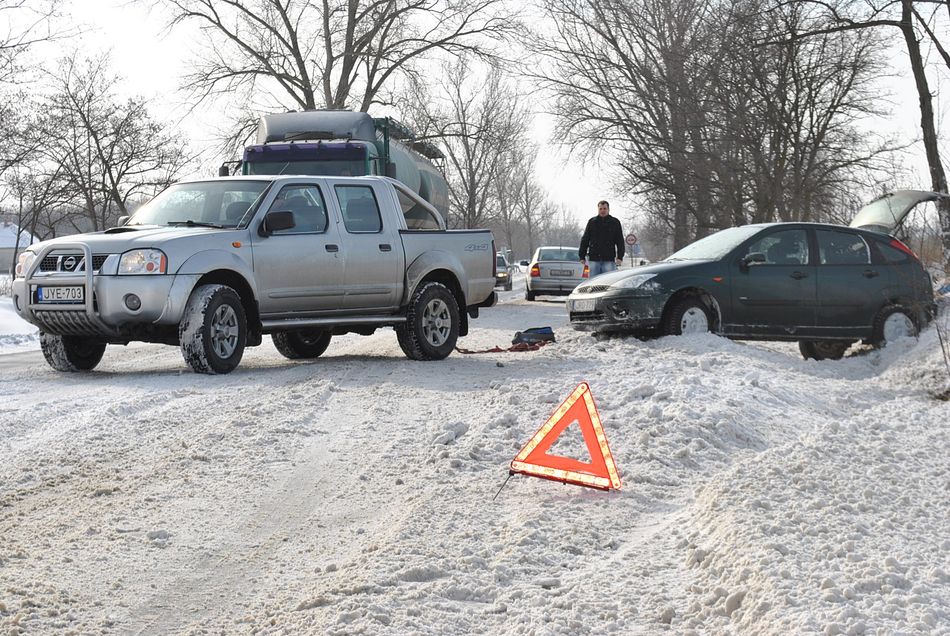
842	248
306	202
359	207
785	247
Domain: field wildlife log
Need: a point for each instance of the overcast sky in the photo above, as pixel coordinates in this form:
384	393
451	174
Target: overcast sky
151	61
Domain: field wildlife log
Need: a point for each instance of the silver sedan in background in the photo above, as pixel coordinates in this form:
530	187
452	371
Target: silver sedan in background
554	271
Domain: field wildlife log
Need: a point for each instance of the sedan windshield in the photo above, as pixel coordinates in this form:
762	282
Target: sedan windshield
716	245
204	203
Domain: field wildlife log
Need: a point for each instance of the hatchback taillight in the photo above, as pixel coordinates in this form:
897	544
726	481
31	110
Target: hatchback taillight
535	271
900	246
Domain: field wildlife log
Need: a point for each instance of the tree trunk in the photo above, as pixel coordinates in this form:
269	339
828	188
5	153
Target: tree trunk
938	177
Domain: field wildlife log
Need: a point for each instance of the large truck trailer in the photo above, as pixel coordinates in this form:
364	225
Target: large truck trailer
345	143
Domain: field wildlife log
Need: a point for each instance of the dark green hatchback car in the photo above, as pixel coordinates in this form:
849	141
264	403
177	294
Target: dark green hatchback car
825	286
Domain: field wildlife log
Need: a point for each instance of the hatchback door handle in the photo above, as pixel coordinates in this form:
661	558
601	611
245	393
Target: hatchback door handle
798	275
385	247
870	273
332	248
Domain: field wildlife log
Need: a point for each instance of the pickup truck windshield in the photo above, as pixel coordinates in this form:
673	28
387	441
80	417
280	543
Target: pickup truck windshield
203	203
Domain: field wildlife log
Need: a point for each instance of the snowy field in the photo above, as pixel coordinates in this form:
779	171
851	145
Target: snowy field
762	494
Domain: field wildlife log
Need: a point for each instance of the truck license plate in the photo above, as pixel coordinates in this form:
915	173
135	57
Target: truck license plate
60	295
584	305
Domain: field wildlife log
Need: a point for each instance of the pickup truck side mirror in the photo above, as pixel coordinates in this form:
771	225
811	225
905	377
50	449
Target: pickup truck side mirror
276	221
123	220
752	258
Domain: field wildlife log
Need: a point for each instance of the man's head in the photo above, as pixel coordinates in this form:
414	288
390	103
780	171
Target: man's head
603	208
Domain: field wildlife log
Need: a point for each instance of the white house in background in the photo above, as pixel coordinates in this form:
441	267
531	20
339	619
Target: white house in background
8	242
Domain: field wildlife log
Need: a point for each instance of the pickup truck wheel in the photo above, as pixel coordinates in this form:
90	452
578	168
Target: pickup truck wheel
432	324
303	344
213	330
71	353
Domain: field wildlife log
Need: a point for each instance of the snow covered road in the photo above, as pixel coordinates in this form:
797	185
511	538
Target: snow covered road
353	494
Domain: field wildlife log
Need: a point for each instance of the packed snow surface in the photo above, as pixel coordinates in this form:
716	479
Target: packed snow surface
762	493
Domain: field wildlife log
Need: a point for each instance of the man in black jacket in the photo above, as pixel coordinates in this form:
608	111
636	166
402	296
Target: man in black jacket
602	245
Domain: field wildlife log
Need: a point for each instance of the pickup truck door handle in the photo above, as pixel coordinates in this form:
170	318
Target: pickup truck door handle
798	275
385	247
870	273
330	247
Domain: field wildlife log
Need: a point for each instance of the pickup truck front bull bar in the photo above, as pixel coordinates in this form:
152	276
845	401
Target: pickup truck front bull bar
65	319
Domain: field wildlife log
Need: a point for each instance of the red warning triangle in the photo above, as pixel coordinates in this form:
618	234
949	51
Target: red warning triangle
600	472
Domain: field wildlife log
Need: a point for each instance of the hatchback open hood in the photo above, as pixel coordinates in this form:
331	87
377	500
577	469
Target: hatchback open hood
887	212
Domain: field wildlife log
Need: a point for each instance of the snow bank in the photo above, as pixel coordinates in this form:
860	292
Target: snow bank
353	494
15	333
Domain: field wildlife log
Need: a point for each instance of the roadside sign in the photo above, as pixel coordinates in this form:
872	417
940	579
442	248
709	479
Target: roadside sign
637	250
631	239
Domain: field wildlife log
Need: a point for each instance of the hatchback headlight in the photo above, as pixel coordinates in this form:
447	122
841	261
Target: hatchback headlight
23	262
633	282
143	262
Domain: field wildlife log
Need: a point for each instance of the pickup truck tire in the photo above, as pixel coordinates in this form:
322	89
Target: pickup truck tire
71	353
303	344
213	330
432	323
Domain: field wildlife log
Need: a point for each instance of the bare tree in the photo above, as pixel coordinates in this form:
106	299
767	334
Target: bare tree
481	120
23	25
842	16
707	132
107	150
302	55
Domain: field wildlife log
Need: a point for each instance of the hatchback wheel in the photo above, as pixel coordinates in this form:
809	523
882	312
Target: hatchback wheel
822	349
892	323
688	315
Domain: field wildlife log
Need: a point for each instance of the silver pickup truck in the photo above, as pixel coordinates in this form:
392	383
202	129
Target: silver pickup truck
214	265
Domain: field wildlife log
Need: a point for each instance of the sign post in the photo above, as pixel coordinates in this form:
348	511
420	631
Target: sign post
632	241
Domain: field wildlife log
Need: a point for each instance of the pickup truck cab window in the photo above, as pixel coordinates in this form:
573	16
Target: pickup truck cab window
417	216
308	206
360	208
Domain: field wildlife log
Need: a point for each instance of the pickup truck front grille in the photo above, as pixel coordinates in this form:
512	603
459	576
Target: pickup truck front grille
66	323
70	262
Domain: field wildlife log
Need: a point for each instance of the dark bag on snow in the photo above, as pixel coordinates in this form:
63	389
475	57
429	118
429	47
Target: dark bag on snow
534	335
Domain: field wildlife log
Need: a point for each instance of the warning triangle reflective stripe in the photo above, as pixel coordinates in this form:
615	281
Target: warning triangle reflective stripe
600	472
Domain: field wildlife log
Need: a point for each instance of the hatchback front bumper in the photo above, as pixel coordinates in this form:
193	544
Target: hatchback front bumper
615	311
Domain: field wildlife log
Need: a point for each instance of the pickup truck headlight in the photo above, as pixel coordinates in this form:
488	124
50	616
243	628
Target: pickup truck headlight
23	262
143	262
633	282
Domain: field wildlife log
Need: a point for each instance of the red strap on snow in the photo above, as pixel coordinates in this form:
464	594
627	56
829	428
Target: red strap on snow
521	346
